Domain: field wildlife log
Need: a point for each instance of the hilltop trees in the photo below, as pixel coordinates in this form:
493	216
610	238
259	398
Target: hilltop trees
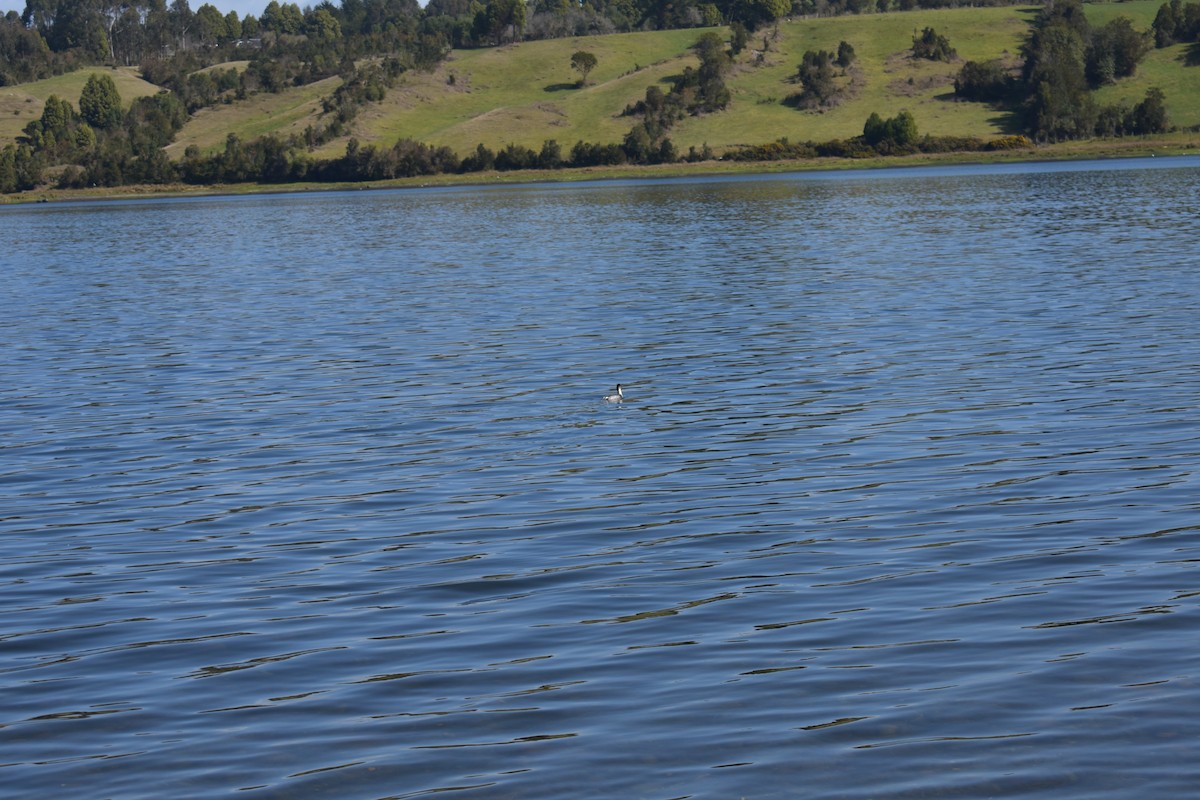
57	35
24	54
755	14
501	21
277	18
70	33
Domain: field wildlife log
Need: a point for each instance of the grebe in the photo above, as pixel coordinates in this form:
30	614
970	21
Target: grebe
616	396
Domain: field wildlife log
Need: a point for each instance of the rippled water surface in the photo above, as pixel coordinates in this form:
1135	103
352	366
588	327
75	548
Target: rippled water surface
316	496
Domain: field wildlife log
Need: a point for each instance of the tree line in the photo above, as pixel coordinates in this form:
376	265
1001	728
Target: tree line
286	44
473	23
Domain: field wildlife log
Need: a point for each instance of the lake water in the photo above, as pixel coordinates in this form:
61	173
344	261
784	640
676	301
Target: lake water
316	495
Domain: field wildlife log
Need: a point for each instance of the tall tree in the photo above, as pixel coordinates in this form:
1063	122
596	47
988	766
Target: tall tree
112	12
181	21
80	26
323	26
39	15
210	25
100	102
291	19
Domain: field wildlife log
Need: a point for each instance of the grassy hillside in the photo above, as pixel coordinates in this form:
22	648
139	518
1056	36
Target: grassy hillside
527	93
21	104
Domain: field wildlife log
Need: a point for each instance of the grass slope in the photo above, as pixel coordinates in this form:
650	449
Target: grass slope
283	113
525	94
23	103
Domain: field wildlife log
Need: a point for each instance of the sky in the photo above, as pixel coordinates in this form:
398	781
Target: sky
242	7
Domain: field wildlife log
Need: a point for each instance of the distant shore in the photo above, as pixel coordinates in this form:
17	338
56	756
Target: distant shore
1172	144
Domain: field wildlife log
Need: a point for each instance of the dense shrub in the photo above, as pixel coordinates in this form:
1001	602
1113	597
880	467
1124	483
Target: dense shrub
815	74
987	81
1009	143
898	132
778	150
933	46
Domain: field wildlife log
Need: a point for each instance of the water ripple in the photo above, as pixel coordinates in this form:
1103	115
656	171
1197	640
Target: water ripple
901	501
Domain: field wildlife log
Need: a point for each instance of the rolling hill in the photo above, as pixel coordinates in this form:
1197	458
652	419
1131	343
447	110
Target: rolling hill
527	93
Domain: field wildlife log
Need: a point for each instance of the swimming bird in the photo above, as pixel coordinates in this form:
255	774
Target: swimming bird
616	396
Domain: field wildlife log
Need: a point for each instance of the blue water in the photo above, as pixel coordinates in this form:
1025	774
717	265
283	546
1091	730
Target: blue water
316	495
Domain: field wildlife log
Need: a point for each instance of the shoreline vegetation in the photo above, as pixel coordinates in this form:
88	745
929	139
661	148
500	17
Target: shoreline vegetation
1161	145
